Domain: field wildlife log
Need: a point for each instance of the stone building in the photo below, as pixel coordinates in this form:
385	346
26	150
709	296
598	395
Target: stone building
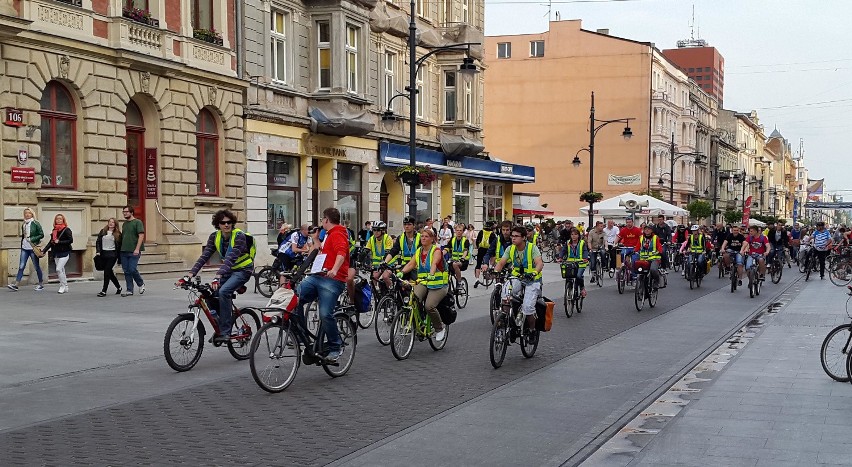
120	104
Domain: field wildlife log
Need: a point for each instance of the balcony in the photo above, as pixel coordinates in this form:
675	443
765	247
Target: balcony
137	36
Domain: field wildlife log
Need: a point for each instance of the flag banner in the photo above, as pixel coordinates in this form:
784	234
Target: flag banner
795	210
747	211
815	189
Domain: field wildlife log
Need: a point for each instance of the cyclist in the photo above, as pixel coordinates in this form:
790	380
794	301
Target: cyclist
326	288
756	245
379	244
537	234
611	235
428	263
597	243
822	242
780	242
531	236
485	240
577	253
406	244
294	248
525	260
697	243
664	233
237	251
731	247
459	249
629	236
651	250
503	242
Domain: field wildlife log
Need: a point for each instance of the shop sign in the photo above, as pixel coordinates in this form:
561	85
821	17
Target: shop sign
23	174
329	151
452	163
150	173
14	117
506	169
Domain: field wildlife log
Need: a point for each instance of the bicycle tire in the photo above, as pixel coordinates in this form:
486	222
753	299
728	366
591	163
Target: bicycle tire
620	281
839	272
487	279
568	300
828	355
698	279
385	312
240	346
276	352
599	273
777	272
439	344
192	353
497	343
462	293
809	266
611	273
365	320
402	335
527	349
734	280
266	281
547	256
652	294
349	336
638	295
495	303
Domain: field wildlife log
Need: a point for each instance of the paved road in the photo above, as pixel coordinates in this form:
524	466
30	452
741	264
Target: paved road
84	382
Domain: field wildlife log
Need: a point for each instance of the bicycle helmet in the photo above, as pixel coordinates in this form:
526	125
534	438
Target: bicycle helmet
409	220
529	227
693	228
379	225
681	227
489	225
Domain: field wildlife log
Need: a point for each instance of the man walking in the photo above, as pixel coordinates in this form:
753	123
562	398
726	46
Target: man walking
132	238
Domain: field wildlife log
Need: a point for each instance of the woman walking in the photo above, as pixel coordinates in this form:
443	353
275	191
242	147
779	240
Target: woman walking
471	238
108	238
445	234
31	235
60	247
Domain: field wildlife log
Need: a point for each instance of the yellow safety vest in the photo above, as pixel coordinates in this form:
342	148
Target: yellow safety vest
500	248
243	261
379	254
458	253
404	255
535	238
696	248
581	248
424	270
648	251
527	264
486	236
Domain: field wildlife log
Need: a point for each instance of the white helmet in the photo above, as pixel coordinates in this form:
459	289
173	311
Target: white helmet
694	227
379	225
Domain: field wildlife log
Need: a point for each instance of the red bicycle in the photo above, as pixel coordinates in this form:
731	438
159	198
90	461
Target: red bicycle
184	339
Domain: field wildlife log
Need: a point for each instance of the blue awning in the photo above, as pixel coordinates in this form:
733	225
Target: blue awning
397	155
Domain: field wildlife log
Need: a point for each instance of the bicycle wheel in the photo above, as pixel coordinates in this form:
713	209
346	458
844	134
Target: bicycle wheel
365	320
599	273
439	344
528	349
639	294
497	342
312	317
620	280
698	278
809	267
385	312
462	293
547	255
568	299
678	262
347	352
275	357
652	294
777	271
495	303
402	335
840	272
757	285
249	323
734	280
266	281
834	352
182	345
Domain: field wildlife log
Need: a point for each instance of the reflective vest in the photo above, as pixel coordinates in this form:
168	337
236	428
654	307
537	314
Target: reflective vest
500	248
648	249
696	247
424	270
351	239
486	236
405	254
379	251
527	265
576	254
535	238
458	248
243	261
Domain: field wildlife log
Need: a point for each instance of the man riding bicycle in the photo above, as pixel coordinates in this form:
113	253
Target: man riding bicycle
485	240
731	246
664	233
780	241
756	246
380	244
697	243
629	236
503	242
405	245
237	251
294	248
597	246
525	260
459	249
651	250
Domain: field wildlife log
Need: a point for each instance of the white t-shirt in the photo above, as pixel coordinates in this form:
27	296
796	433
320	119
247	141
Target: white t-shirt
611	235
27	230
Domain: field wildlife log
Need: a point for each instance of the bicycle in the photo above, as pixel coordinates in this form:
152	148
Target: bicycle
284	343
495	302
597	271
623	274
692	271
840	269
388	305
572	298
725	267
510	325
811	264
410	322
644	288
548	253
735	280
754	280
266	280
458	291
184	340
677	260
487	277
830	356
776	267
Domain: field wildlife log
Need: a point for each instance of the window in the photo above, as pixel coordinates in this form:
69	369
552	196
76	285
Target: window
423	195
450	96
468	102
202	14
283	188
504	50
279	46
352	58
421	93
390	79
492	202
465	11
324	54
692	70
698	78
349	193
461	191
207	150
135	147
707	77
138	4
58	137
536	48
707	68
421	7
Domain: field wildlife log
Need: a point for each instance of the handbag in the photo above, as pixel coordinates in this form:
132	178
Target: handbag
37	251
99	262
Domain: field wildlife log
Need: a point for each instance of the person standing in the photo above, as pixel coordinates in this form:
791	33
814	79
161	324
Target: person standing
109	239
365	233
60	247
132	239
31	235
445	234
470	233
822	246
597	246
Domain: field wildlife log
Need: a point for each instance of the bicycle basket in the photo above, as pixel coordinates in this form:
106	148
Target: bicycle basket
282	300
567	269
641	265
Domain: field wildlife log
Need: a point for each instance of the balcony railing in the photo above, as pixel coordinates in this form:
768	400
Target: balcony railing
78	3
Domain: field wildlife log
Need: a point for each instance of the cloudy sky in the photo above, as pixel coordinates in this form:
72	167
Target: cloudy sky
790	60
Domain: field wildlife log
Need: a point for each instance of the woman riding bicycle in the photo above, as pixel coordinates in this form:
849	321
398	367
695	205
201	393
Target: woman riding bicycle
432	278
651	250
577	253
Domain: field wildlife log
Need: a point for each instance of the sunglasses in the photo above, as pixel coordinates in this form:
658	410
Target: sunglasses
227	222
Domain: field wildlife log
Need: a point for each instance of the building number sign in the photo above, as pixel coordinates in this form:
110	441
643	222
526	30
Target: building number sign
14	117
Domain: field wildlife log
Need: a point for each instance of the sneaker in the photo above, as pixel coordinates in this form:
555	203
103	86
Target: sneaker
141	289
476	284
12	287
236	331
62	289
440	335
39	288
739	282
127	294
532	337
592	280
101	294
118	292
333	356
611	270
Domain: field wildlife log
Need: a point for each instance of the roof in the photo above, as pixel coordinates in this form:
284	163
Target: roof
776	134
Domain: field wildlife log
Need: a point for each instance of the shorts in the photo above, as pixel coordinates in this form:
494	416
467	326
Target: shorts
738	258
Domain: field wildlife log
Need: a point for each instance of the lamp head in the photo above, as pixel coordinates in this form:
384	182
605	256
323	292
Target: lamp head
467	67
661	182
576	161
388	116
627	133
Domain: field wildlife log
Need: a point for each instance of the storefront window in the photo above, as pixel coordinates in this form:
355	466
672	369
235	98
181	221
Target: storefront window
423	195
492	202
282	182
461	190
349	193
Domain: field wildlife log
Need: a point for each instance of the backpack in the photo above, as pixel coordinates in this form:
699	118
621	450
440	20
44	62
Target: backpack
250	245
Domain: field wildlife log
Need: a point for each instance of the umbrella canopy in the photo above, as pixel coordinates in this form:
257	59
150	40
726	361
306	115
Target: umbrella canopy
610	207
752	221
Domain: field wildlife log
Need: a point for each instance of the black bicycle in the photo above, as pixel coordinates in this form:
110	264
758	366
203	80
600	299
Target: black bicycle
776	267
836	348
510	325
598	270
692	270
644	288
458	290
573	297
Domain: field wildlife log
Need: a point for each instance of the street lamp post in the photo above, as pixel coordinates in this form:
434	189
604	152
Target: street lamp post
593	130
675	156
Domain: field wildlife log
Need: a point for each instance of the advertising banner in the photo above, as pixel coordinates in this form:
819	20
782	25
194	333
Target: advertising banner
747	211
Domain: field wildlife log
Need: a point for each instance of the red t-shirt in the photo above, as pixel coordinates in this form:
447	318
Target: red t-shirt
337	243
630	237
757	245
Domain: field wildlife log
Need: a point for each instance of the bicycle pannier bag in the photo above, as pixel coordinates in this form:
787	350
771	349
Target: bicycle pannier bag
447	310
363	295
544	314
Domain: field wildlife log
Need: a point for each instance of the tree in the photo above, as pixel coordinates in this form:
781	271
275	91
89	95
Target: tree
699	209
733	217
653	193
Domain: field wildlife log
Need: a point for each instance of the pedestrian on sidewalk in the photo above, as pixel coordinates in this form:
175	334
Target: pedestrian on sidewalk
109	239
60	249
31	236
822	246
132	238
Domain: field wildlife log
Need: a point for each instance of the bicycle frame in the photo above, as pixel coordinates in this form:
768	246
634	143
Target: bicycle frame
421	324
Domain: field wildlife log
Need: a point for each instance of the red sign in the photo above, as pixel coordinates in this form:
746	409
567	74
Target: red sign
23	174
14	117
150	173
747	211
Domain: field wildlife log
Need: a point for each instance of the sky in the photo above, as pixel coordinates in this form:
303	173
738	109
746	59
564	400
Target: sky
790	60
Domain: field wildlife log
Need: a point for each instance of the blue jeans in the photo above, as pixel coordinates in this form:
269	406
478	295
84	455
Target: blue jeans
325	291
25	255
129	262
227	286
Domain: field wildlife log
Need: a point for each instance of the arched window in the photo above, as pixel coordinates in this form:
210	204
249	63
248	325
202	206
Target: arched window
58	138
135	139
207	147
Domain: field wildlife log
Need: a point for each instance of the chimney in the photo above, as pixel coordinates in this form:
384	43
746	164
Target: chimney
603	31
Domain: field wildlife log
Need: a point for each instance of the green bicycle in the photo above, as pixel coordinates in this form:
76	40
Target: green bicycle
410	322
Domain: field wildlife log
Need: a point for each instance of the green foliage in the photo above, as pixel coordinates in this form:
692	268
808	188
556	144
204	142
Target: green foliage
733	217
699	209
653	193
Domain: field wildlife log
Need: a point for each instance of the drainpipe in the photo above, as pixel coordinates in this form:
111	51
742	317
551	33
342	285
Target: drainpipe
238	36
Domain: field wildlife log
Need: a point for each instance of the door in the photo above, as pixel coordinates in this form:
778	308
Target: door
383	202
136	161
